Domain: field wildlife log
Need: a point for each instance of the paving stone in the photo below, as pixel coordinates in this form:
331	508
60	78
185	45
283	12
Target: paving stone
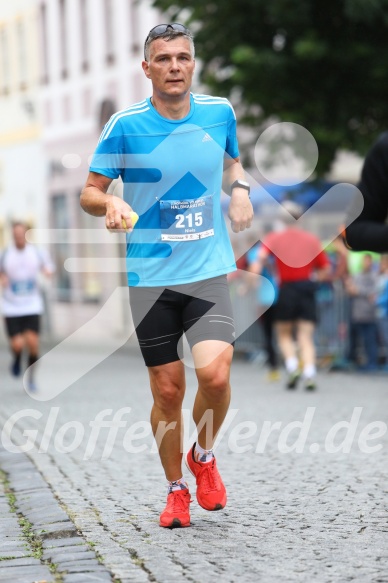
63	542
54	515
46	524
26	574
14	544
77	565
9	530
88	578
20	562
82	569
13	553
67	551
65	557
20	487
24	578
61	529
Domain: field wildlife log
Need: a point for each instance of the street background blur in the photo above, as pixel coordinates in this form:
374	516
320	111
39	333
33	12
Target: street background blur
67	65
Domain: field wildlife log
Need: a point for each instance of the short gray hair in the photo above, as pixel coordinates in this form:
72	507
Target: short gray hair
168	35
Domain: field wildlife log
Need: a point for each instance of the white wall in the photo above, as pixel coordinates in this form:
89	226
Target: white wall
22	167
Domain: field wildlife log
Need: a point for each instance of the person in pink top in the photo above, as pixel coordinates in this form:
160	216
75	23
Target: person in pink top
300	263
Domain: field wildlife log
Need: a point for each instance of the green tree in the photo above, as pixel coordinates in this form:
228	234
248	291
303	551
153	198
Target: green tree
319	63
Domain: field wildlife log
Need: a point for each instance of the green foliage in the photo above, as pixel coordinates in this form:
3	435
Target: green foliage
320	63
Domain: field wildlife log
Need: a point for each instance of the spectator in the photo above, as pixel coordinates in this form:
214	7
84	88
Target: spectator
331	319
355	260
382	305
362	288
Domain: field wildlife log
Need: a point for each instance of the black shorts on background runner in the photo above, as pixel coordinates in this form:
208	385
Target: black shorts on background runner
18	324
201	310
296	301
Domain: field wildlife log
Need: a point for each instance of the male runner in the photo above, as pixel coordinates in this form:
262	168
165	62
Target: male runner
22	302
295	311
171	151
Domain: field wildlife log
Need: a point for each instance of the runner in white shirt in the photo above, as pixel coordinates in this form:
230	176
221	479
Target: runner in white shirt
22	302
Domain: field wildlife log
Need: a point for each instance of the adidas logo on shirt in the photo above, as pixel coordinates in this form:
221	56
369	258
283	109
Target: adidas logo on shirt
207	138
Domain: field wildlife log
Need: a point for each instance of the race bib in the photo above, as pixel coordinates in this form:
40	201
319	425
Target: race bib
22	288
186	220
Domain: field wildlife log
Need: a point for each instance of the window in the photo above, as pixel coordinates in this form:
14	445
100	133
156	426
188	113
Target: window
2	176
89	281
134	26
4	62
66	109
61	251
22	53
63	37
48	114
86	102
43	44
84	32
109	33
107	109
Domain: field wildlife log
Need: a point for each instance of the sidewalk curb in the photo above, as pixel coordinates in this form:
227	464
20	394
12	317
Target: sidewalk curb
39	540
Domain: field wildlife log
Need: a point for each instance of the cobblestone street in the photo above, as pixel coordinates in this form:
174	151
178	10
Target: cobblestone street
307	502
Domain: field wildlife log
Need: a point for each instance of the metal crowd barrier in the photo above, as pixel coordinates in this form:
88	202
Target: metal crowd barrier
332	332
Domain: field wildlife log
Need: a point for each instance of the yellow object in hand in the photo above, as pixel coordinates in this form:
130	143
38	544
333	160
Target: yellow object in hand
134	219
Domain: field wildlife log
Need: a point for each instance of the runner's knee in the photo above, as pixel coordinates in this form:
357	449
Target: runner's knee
214	381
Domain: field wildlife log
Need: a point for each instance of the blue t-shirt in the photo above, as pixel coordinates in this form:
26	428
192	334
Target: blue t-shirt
172	174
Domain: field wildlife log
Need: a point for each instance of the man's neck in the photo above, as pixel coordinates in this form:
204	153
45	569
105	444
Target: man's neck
172	108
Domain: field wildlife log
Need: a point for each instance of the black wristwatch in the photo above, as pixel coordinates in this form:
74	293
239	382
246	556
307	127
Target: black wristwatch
240	184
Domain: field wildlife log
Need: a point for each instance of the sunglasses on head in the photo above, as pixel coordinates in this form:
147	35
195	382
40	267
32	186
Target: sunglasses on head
161	29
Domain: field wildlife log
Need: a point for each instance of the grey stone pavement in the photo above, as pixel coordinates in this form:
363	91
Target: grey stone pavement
93	495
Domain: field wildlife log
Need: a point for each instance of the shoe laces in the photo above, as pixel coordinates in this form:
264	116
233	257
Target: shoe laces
179	500
209	476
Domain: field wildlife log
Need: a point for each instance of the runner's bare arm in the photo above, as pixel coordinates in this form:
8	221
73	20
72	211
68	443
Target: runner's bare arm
240	209
323	274
97	202
3	276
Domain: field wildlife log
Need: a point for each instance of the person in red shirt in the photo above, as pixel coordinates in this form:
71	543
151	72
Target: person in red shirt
300	262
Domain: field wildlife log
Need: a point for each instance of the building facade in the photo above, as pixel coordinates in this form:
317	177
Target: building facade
90	54
22	169
65	67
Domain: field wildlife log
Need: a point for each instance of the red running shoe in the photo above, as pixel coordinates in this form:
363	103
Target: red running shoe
211	493
177	511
